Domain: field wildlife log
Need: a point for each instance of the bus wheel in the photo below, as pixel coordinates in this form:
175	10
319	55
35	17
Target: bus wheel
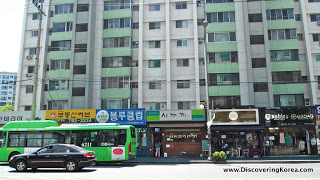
21	165
12	154
71	165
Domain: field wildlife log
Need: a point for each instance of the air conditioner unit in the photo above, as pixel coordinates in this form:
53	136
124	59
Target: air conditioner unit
318	22
29	74
29	57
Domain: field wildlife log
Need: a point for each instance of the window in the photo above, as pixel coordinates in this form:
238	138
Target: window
280	14
35	16
135	25
82	7
154	7
221	17
155	25
313	0
63	9
200	3
300	37
58	85
135	8
200	22
116	5
183	84
223	57
258	62
155	85
60	45
62	27
255	17
79	91
183	105
57	105
117	42
114	62
260	87
60	64
154	106
288	100
284	55
224	79
182	43
115	83
182	24
30	69
34	33
225	101
181	5
317	57
298	18
80	48
218	1
117	23
27	108
135	44
134	85
316	37
286	77
222	37
79	69
29	89
257	39
182	62
154	44
202	82
32	51
315	17
154	63
282	34
82	27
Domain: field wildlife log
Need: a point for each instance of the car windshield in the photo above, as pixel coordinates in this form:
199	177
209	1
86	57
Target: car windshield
77	148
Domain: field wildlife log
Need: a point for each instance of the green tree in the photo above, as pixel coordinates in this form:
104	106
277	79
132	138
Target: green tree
8	107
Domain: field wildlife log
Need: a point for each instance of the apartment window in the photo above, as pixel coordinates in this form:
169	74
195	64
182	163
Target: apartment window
225	101
154	106
154	63
154	44
117	23
201	62
315	17
200	22
135	63
300	37
32	51
258	62
30	69
223	57
221	17
317	57
154	7
200	3
79	69
181	84
29	89
57	105
224	79
35	16
286	77
62	27
304	79
60	45
182	62
63	9
314	1
82	7
316	37
284	55
117	42
181	5
114	104
260	87
155	25
34	33
183	105
155	85
298	18
114	62
82	27
182	24
60	64
218	1
58	85
282	34
202	82
115	83
135	8
135	44
116	5
182	43
255	17
280	14
80	48
27	108
222	37
288	100
134	85
257	39
135	25
79	91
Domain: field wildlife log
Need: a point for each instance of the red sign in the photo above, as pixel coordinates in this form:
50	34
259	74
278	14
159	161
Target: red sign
118	151
318	117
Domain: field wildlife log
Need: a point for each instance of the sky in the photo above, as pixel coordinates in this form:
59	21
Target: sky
11	18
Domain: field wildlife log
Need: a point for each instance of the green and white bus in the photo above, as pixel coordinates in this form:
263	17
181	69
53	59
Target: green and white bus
110	142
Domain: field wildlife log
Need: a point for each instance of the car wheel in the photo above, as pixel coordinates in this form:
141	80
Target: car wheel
12	154
21	165
71	165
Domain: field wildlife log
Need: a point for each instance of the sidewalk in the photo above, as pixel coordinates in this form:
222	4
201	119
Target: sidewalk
267	159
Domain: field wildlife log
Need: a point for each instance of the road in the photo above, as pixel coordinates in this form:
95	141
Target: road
169	171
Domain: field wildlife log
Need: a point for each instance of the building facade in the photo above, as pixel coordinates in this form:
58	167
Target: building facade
7	88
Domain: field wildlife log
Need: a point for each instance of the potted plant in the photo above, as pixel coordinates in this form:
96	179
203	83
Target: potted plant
191	155
219	157
173	155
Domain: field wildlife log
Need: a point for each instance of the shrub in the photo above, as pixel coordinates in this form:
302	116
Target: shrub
219	156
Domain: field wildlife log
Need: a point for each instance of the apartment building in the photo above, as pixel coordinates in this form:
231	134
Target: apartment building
8	88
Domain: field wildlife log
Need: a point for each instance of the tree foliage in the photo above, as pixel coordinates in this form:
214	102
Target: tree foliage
8	107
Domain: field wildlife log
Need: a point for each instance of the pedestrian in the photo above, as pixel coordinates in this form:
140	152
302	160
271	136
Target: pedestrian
158	146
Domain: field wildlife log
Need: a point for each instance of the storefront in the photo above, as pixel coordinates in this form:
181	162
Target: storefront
238	132
180	132
290	131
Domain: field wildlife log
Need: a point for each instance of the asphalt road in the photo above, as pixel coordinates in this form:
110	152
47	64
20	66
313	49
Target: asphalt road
171	172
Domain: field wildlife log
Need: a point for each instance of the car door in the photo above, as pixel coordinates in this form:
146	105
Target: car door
59	155
40	158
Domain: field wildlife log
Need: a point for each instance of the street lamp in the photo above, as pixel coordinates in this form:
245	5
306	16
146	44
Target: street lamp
208	119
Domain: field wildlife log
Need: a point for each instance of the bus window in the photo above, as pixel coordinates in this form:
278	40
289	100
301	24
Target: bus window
52	138
16	139
133	132
34	140
3	139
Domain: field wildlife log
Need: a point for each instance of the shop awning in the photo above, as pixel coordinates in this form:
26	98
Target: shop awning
237	128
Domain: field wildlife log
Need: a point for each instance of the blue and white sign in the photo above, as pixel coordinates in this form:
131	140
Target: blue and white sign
122	116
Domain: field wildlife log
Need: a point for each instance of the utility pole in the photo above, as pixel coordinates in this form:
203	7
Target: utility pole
35	74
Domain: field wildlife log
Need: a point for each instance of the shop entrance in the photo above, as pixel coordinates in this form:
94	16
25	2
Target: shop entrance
157	144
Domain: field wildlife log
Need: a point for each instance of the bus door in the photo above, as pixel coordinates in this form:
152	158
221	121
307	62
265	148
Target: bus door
3	151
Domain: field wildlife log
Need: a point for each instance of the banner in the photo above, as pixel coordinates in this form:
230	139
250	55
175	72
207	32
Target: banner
122	116
71	114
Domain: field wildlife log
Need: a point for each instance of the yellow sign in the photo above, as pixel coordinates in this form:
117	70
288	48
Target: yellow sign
71	114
